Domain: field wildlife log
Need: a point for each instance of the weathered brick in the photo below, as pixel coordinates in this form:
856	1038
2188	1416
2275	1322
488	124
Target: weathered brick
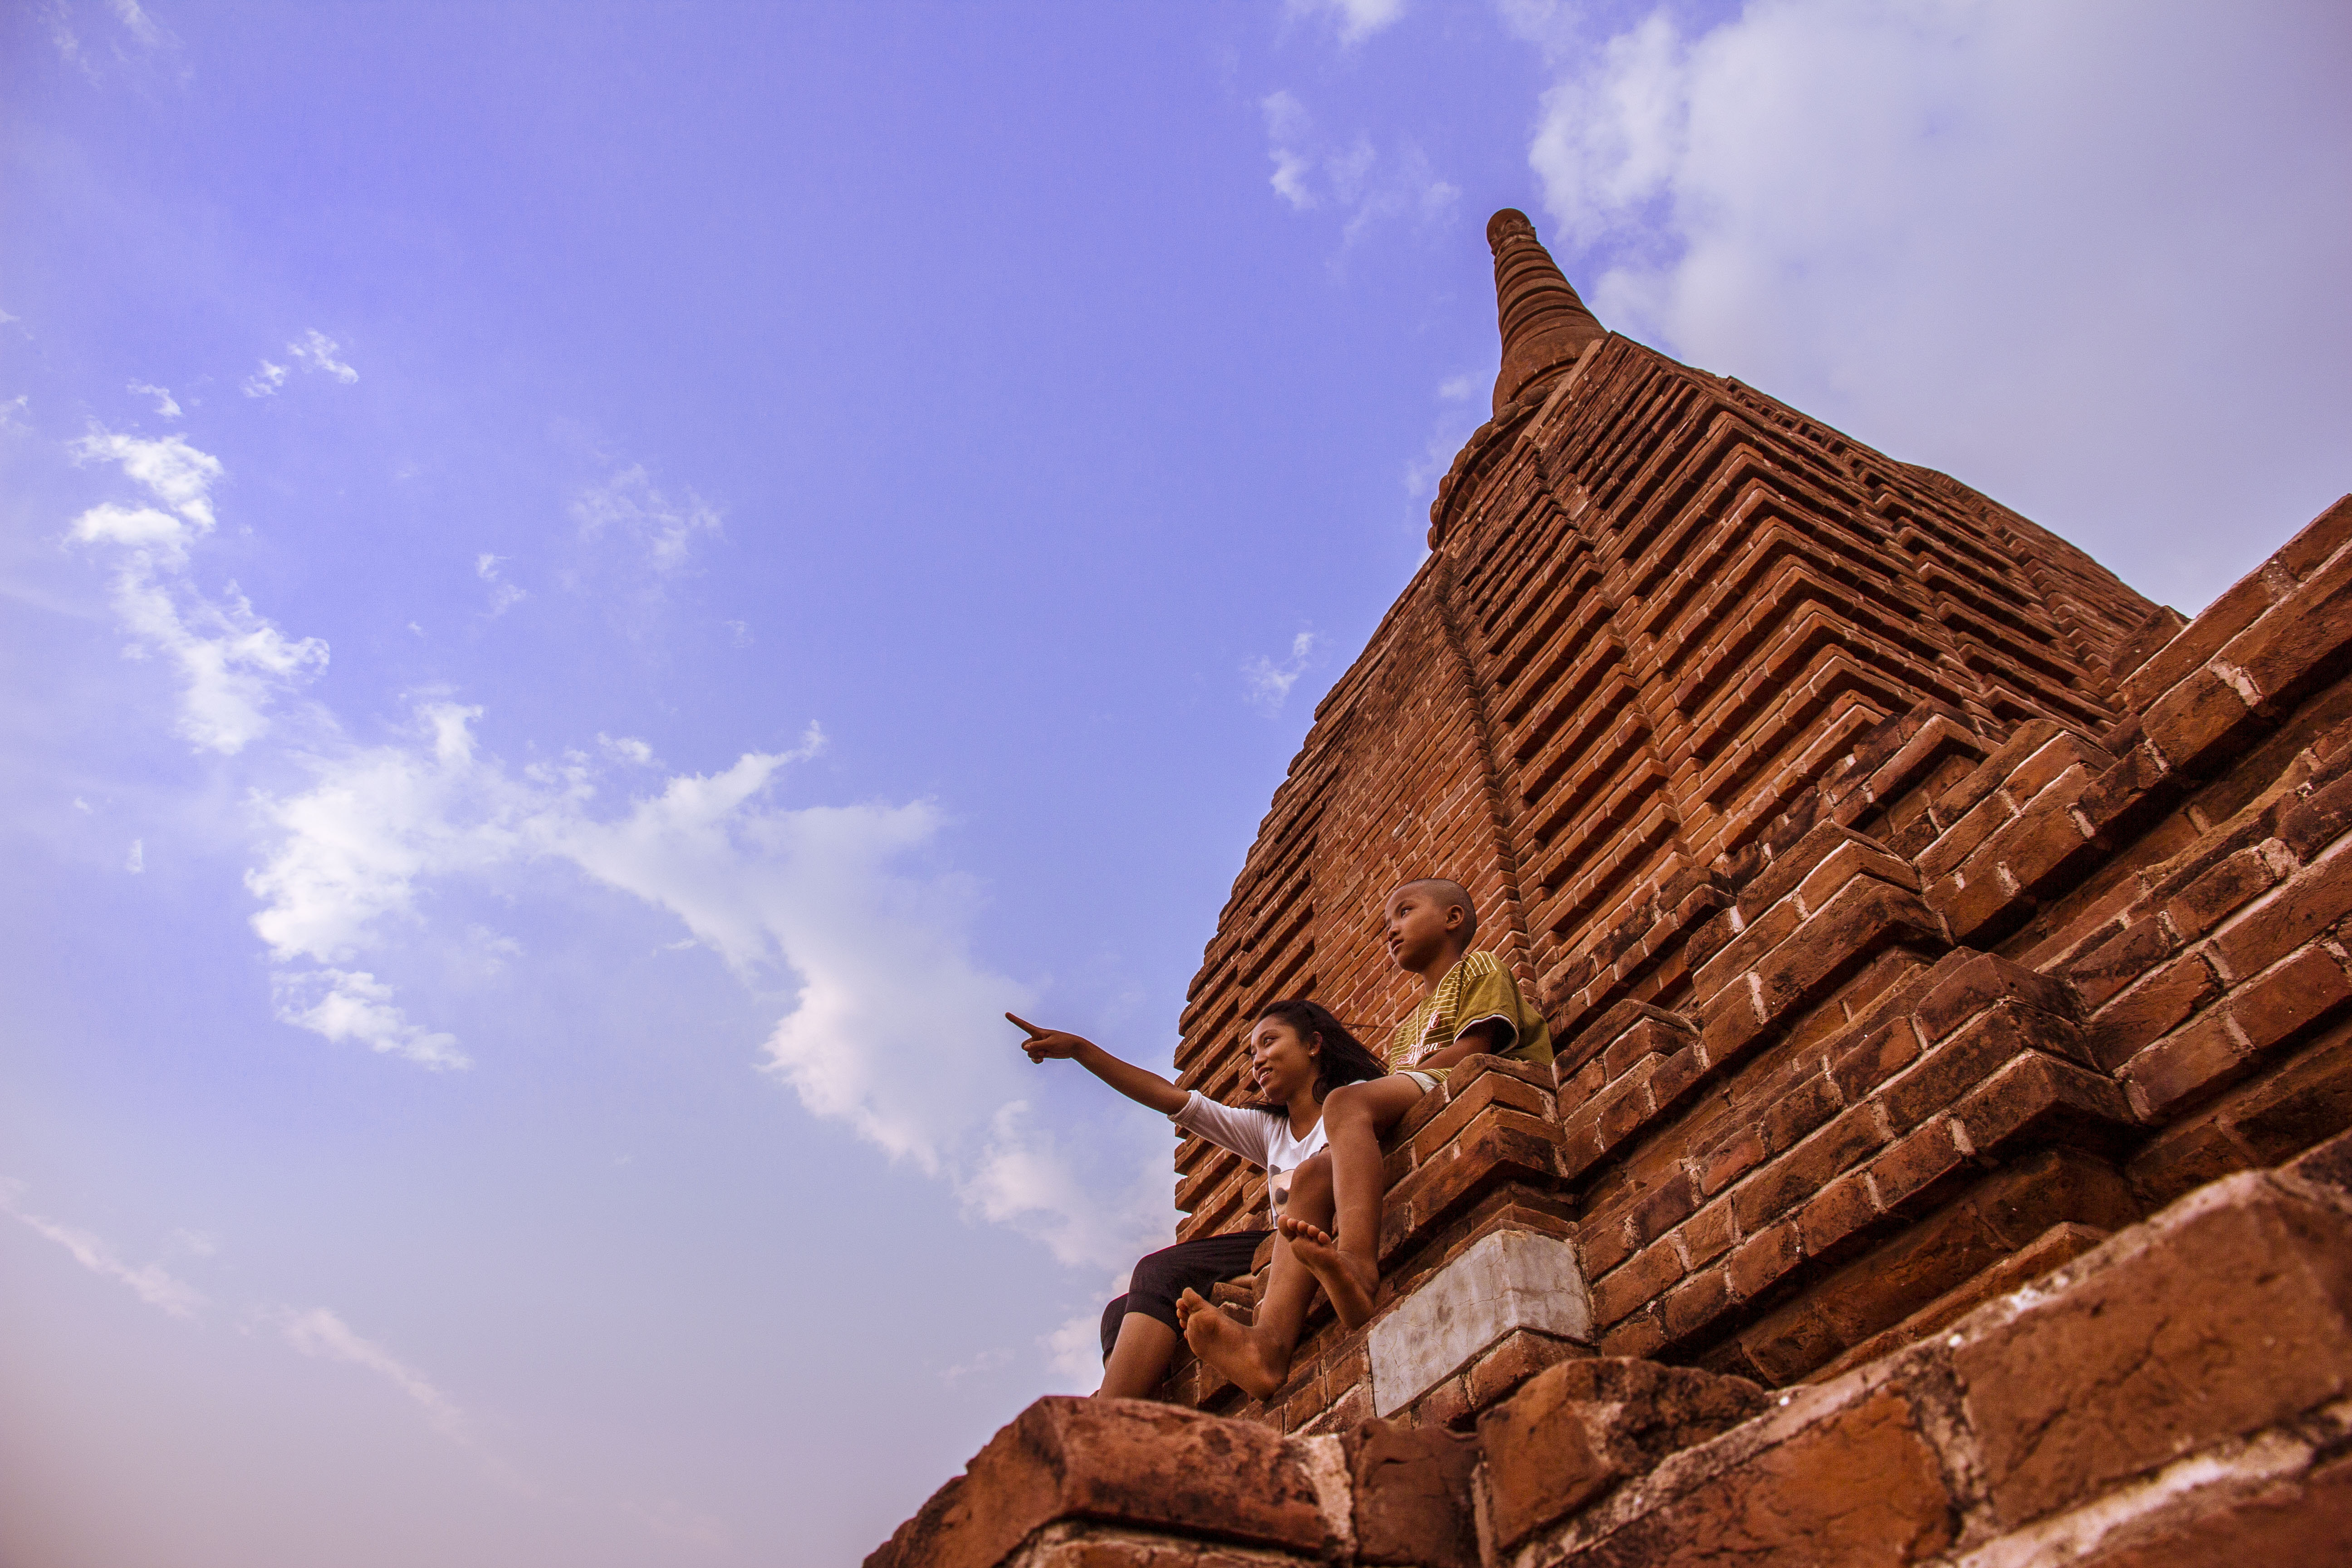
2309	902
1132	1460
2199	907
2145	1013
1411	1489
1879	1055
1919	1165
2303	643
2119	960
1729	1160
1581	1427
1800	1109
1662	1208
1695	1302
1639	1281
1969	988
1859	1485
1836	1213
1948	1072
1763	1259
2139	1354
2200	723
2038	1099
2215	1048
1807	1168
1707	1234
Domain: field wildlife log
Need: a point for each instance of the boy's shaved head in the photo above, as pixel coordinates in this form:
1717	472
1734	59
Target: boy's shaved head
1448	893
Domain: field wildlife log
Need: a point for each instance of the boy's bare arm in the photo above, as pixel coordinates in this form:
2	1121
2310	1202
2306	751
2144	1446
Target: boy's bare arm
1489	1035
1138	1084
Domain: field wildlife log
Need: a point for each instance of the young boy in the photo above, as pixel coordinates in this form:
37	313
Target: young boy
1469	1004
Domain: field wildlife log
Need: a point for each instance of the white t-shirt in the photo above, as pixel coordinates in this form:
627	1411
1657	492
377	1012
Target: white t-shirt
1257	1136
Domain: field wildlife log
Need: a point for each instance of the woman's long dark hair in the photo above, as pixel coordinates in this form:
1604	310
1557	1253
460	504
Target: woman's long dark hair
1345	1058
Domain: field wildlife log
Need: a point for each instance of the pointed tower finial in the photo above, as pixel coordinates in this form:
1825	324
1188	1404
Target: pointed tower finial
1545	325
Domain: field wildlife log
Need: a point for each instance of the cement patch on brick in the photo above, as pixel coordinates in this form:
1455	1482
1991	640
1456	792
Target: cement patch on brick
1510	1279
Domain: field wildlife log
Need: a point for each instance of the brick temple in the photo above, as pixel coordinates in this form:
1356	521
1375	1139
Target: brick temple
1946	1158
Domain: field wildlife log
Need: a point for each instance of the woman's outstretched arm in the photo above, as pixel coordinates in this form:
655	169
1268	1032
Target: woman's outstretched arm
1138	1084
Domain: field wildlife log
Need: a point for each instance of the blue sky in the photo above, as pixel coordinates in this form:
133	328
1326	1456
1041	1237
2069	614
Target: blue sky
592	590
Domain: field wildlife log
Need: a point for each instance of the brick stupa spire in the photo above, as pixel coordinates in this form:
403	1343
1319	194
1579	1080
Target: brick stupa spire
1545	325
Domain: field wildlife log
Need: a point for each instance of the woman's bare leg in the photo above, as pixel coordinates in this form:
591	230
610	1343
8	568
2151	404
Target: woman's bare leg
1139	1358
1346	1260
1258	1358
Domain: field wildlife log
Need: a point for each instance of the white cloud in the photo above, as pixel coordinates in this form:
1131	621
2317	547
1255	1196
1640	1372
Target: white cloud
176	473
166	405
1460	411
1355	19
823	898
629	506
1073	1351
321	1333
504	595
834	905
12	408
2011	240
628	749
233	664
739	635
1310	171
152	1284
1267	684
136	861
353	848
353	1005
315	350
1286	126
264	382
137	23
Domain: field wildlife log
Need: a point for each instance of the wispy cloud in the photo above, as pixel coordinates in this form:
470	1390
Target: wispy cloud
1460	411
1267	684
317	1332
1354	20
504	595
152	1283
1350	177
314	350
626	505
820	897
137	23
166	405
233	664
353	1005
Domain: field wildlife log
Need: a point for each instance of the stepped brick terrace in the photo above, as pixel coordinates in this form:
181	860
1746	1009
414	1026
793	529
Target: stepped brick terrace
1945	1159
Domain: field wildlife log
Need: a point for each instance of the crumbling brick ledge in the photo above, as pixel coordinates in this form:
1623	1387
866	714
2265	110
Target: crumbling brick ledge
2179	1395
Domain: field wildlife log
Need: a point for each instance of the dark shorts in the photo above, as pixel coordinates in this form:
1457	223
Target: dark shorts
1160	1276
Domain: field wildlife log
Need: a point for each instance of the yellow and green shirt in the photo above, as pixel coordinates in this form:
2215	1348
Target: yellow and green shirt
1478	990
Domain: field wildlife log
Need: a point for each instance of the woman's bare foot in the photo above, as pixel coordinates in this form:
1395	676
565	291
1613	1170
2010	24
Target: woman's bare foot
1233	1350
1348	1281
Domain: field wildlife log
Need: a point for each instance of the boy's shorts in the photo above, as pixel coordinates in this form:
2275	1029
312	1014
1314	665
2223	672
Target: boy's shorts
1428	1078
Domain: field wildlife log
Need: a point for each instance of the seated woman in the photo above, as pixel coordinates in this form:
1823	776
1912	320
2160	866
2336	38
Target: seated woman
1298	1054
